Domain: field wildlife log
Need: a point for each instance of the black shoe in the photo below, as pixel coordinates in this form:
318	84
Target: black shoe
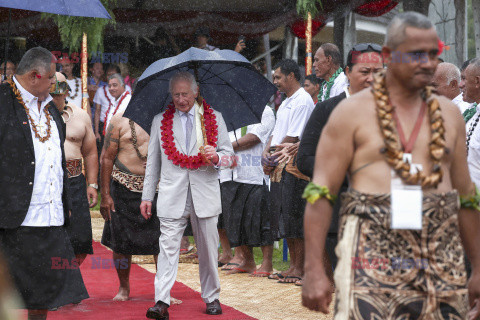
159	311
213	308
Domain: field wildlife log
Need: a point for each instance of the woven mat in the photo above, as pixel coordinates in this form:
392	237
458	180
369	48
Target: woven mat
258	297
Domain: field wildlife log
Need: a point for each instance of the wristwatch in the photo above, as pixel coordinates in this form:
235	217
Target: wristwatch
93	185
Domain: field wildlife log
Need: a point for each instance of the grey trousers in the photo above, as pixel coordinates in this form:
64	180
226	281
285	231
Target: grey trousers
206	238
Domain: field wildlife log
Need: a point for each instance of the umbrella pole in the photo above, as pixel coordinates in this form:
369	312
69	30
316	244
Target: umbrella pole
84	73
308	43
6	44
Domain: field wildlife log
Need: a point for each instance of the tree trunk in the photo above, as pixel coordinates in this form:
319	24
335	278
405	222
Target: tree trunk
476	24
416	5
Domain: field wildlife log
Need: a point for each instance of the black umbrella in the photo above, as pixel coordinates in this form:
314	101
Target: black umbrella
227	81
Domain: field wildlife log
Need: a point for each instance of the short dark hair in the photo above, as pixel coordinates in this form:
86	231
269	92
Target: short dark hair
313	79
331	50
288	66
465	65
115	67
35	58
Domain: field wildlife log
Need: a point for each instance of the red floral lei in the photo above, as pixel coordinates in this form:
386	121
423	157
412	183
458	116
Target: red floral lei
114	112
181	159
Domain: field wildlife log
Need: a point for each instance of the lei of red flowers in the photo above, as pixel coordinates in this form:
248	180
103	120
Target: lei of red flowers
181	159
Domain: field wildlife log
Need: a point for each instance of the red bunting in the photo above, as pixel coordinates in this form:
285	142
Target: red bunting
376	8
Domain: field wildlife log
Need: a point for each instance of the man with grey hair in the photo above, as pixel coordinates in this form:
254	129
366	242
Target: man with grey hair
327	63
120	98
34	183
401	229
446	82
187	167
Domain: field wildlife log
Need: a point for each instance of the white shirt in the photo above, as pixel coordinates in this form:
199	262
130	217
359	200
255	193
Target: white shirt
104	99
462	105
78	98
339	85
46	206
249	167
292	116
123	105
473	158
191	115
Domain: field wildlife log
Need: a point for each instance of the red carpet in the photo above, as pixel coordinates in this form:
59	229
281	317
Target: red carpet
102	285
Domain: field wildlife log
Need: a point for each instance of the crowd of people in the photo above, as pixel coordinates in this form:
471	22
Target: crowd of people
361	163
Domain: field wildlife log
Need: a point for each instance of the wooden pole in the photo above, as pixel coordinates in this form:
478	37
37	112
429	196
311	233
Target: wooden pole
308	44
84	68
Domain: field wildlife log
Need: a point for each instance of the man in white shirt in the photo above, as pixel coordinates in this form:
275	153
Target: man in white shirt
75	96
446	82
287	184
472	95
327	63
34	184
245	211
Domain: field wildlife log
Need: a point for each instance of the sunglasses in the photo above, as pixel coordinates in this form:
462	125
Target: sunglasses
362	47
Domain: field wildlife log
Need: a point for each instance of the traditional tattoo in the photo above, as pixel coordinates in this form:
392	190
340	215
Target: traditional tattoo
121	166
108	137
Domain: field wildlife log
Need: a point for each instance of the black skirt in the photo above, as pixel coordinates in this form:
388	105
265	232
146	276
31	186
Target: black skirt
288	207
246	214
127	232
80	227
43	266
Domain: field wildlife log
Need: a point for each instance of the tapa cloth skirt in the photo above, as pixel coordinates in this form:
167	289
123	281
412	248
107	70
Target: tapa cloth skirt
43	266
287	207
128	232
80	228
399	274
246	215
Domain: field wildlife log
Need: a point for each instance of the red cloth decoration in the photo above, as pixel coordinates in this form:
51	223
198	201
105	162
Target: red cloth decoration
299	27
376	8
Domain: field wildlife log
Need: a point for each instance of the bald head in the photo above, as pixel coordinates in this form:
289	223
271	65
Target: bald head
472	82
446	80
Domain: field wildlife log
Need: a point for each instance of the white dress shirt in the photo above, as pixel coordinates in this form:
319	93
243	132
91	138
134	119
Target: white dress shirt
104	99
121	107
339	85
473	158
78	99
462	105
249	164
46	206
292	116
191	115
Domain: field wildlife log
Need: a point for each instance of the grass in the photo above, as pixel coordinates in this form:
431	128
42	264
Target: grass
278	263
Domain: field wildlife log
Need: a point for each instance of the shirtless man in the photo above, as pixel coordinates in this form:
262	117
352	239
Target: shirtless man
79	143
126	232
369	281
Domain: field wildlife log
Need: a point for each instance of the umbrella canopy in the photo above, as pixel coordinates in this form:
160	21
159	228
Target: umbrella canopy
227	81
80	8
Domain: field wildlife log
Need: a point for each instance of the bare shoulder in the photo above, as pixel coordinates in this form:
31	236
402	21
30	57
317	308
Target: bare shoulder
82	114
355	109
450	112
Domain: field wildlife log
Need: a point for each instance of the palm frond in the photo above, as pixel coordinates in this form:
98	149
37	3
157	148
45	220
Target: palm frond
306	6
71	29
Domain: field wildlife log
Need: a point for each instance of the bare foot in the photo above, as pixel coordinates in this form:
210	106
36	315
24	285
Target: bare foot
293	277
233	263
122	294
245	268
175	301
261	272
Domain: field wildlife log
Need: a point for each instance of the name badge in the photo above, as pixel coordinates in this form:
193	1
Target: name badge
406	201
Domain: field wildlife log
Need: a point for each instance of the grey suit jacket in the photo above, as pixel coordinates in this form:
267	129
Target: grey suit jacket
174	180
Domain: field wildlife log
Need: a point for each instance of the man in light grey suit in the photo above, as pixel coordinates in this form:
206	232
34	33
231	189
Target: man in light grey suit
184	193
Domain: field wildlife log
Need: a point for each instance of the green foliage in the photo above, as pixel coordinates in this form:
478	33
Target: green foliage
71	29
306	6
